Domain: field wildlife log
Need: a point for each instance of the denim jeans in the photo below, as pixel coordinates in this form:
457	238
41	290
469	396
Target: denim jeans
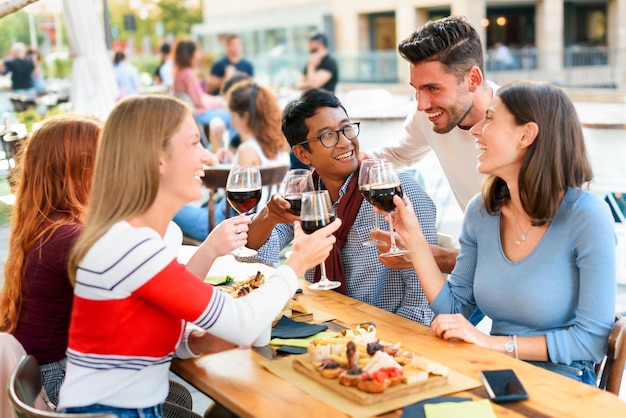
582	371
194	221
151	412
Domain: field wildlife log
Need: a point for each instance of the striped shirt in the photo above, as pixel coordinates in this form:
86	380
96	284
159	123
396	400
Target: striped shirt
131	301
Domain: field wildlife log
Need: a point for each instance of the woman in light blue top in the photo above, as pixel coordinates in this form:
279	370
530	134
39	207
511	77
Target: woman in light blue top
537	251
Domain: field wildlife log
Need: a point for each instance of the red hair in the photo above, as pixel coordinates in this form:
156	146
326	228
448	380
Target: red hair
53	179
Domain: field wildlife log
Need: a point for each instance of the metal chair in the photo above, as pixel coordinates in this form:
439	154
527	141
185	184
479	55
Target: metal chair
610	371
24	388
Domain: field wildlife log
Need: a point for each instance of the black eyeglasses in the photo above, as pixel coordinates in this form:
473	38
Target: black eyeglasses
330	138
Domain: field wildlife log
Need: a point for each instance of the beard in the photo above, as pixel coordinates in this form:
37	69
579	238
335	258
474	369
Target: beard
457	113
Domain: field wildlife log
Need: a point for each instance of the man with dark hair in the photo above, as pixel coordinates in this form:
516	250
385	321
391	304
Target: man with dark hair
164	73
233	62
447	72
321	70
21	68
321	134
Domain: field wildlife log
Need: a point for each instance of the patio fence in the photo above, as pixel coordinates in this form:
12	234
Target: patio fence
591	67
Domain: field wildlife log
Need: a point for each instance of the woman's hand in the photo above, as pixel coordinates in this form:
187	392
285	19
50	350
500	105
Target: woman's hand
230	234
449	326
310	250
405	221
201	342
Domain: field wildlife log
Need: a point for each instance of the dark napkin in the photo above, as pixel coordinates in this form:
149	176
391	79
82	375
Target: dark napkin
285	349
417	409
288	328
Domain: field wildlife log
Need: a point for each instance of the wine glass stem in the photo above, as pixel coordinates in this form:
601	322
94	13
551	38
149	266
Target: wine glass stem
392	234
323	277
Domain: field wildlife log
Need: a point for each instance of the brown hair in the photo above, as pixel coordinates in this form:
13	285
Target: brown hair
554	162
451	41
183	54
264	115
135	134
53	181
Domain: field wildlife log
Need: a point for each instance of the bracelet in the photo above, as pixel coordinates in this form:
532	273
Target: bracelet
515	344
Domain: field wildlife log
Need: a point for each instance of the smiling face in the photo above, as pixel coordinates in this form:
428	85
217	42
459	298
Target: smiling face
501	141
182	164
335	163
439	93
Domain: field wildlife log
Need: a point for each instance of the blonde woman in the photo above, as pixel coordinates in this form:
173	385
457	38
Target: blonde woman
132	297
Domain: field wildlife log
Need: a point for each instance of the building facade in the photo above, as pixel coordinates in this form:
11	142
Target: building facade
573	42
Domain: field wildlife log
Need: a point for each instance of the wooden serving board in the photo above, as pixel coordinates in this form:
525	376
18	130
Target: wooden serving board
364	398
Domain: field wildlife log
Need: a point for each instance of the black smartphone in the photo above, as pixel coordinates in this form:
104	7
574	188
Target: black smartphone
503	385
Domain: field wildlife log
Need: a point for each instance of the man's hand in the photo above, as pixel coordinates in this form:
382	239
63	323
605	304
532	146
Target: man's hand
399	262
444	257
278	211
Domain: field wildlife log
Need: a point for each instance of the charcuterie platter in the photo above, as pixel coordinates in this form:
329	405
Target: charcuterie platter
365	370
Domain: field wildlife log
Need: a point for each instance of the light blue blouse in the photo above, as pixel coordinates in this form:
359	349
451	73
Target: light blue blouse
564	289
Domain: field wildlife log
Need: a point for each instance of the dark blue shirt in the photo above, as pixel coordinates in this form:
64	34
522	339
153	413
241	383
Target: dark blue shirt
219	68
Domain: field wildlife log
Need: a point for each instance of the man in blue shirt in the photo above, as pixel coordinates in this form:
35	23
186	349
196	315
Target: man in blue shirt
321	134
233	62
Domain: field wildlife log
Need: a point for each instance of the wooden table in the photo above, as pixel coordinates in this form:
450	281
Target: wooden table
236	379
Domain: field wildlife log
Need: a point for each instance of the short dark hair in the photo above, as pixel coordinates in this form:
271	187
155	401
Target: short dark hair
119	57
451	41
319	37
296	113
166	48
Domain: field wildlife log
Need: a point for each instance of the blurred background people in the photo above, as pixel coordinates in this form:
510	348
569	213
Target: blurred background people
224	68
256	116
206	107
21	68
321	70
38	78
126	74
163	75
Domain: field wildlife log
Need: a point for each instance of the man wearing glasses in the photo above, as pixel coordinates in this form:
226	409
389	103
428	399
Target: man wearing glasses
321	134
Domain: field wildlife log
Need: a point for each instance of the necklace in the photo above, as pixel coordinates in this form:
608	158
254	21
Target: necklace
522	237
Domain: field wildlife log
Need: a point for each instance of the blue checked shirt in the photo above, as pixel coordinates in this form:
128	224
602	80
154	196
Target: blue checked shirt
397	291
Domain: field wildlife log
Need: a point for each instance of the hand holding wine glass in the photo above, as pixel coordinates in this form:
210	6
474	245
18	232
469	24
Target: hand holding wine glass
243	192
364	188
297	181
317	212
384	185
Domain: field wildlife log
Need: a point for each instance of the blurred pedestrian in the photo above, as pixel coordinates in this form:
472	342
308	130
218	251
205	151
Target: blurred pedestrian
127	75
206	107
223	69
21	68
163	75
38	79
321	70
502	57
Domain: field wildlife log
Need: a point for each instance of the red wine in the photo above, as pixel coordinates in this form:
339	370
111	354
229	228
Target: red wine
365	192
243	200
311	225
295	200
381	195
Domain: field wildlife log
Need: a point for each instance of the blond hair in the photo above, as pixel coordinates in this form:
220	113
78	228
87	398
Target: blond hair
126	175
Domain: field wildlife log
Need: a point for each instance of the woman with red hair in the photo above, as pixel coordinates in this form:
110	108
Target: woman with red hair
53	179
